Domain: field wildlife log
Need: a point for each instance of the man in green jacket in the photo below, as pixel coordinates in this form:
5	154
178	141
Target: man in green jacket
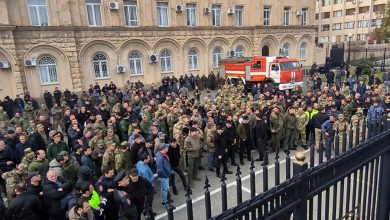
56	146
192	147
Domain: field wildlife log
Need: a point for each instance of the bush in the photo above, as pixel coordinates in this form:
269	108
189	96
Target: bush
365	64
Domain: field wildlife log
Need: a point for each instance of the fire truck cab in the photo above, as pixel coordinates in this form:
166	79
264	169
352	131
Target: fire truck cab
283	71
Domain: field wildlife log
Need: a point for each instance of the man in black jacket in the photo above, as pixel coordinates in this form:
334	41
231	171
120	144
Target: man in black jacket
26	205
174	160
317	121
55	192
106	186
221	150
6	158
263	134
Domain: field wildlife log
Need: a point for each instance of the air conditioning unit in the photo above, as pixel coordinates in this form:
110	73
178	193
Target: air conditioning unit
31	62
231	53
121	69
153	58
4	64
230	11
114	5
207	10
299	13
179	8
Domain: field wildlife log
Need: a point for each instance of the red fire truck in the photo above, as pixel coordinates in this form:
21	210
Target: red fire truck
282	71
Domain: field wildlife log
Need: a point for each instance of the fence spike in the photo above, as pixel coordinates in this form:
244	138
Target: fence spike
223	192
252	179
238	185
190	213
238	171
207	198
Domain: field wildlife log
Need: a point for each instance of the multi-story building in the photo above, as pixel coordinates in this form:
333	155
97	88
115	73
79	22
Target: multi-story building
343	20
74	43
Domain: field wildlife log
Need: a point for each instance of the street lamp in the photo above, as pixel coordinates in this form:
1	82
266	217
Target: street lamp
349	50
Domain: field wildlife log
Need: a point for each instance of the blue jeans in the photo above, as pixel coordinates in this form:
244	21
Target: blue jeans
164	184
211	160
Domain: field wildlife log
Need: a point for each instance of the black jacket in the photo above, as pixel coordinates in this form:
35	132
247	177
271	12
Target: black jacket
51	195
38	141
134	152
319	119
220	144
262	130
6	155
26	206
174	156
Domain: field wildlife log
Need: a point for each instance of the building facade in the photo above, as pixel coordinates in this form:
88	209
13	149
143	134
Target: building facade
74	43
343	20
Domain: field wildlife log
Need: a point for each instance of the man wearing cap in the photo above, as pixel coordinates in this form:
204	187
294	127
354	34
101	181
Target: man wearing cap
140	192
221	150
71	167
192	147
127	210
357	124
99	124
148	149
28	158
56	146
302	121
98	135
108	160
244	134
12	178
340	127
122	158
374	118
276	127
135	148
164	171
111	136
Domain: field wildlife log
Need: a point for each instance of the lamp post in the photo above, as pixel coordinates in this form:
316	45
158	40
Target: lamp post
349	50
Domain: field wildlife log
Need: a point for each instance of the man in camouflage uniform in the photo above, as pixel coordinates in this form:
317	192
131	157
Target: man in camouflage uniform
111	136
71	167
122	159
99	124
302	121
40	164
97	156
276	126
98	135
29	111
161	114
210	132
356	125
3	121
108	161
56	113
346	109
28	158
12	178
17	120
340	127
172	119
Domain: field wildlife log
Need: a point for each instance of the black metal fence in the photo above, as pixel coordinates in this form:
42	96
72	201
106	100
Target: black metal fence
347	180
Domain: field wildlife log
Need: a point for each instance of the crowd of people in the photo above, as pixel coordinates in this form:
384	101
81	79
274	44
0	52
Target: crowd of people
98	155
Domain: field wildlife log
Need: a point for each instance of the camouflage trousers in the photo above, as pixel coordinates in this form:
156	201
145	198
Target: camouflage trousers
354	135
57	123
341	142
300	138
318	133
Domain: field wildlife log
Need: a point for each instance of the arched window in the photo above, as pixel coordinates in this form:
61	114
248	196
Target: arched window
285	49
47	70
217	56
302	51
100	66
166	61
193	57
239	51
135	63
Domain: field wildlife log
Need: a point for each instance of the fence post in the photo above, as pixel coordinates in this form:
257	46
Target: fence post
252	179
299	166
224	192
384	189
238	185
207	198
190	213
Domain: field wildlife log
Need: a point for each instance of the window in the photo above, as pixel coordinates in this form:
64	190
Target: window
130	8
362	37
285	49
162	14
325	15
216	12
217	56
362	23
302	51
364	9
267	16
325	27
100	64
349	25
38	12
379	9
338	1
47	70
193	57
350	11
336	26
135	60
377	22
326	2
191	15
166	61
317	16
337	14
239	15
256	65
94	14
346	37
239	51
286	16
304	17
